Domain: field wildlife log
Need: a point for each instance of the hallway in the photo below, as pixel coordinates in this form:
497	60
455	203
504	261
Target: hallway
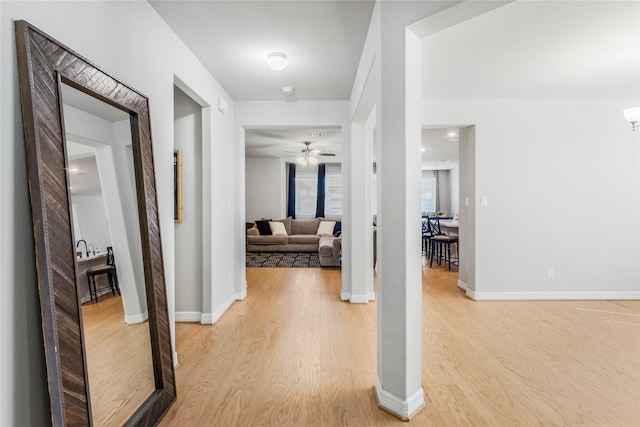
293	354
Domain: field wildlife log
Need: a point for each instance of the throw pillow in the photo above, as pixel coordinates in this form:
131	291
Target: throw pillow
326	227
263	227
277	229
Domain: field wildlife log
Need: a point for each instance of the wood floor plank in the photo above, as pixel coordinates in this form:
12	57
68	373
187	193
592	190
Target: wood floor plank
293	354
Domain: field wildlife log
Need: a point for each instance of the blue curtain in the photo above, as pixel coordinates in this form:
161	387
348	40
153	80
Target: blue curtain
291	199
320	191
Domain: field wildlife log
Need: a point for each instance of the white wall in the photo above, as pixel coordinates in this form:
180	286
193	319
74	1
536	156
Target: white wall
266	188
454	188
259	114
94	227
562	180
142	51
188	233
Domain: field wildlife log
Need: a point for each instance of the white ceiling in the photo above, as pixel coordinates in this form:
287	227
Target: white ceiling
526	49
538	49
288	143
322	39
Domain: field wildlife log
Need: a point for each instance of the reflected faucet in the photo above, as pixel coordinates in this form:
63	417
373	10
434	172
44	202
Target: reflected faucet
93	250
86	250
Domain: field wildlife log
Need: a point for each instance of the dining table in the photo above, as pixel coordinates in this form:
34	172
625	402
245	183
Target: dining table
450	227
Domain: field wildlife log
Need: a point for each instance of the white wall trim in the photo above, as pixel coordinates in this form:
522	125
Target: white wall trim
403	408
507	296
136	318
463	285
359	299
345	295
206	319
242	294
221	310
188	316
371	296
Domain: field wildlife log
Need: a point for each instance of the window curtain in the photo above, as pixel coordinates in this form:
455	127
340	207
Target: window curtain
291	199
320	192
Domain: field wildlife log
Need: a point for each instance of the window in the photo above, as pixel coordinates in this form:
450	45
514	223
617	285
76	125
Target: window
333	191
428	194
306	193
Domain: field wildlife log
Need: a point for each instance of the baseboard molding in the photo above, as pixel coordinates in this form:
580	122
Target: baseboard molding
136	318
345	295
206	319
463	285
371	296
175	358
358	299
188	316
403	409
221	310
510	296
241	295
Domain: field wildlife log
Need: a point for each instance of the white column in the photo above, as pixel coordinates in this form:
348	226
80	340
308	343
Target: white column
361	252
368	191
398	103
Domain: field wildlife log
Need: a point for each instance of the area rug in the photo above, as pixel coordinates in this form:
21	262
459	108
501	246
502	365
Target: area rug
283	259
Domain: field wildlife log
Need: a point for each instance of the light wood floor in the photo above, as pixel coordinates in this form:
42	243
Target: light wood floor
118	360
293	354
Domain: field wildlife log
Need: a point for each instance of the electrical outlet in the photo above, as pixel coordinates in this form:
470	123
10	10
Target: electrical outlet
484	201
550	272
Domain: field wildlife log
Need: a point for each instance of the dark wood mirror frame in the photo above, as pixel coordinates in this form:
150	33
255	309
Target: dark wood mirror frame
43	64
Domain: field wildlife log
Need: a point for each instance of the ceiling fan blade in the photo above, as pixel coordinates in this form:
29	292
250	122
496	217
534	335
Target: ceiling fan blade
326	154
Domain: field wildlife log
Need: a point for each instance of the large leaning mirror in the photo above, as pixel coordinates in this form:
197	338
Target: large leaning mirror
98	249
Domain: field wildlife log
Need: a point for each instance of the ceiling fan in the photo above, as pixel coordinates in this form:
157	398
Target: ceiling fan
309	156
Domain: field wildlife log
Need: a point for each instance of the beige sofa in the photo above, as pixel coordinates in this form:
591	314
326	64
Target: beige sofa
301	237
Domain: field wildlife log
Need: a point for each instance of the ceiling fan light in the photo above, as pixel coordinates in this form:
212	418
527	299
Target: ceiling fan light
302	161
633	116
313	161
277	61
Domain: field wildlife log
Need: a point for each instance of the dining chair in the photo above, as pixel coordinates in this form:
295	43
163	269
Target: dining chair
438	241
427	234
109	269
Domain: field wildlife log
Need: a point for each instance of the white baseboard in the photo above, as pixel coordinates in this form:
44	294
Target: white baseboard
175	358
463	285
510	296
136	318
371	296
205	319
241	295
358	299
345	295
224	307
402	408
188	316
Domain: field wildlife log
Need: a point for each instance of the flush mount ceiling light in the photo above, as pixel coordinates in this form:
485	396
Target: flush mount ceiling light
288	90
277	61
633	116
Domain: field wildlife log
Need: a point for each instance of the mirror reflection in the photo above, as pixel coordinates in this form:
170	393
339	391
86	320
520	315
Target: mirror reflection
110	275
